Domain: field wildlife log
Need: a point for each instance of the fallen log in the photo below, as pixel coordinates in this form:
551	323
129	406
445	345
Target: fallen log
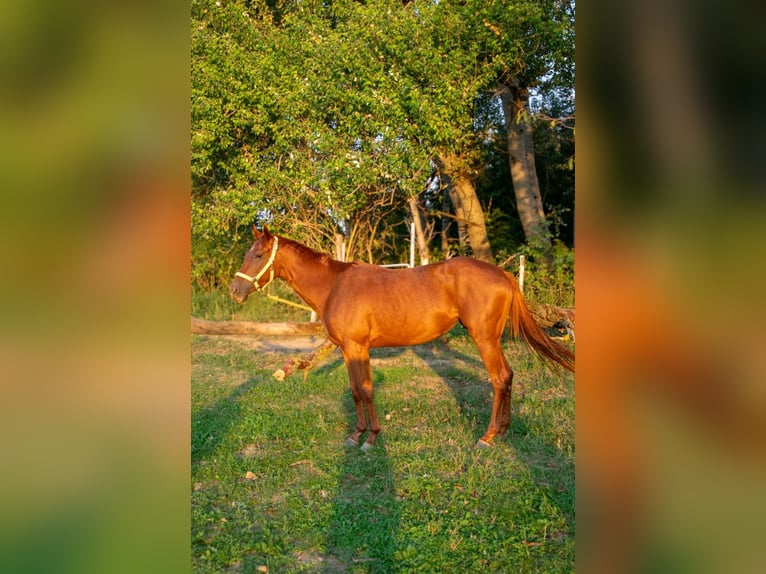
558	322
305	362
205	327
548	315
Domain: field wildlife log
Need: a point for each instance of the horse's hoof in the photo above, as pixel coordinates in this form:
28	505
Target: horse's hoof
483	444
367	446
350	442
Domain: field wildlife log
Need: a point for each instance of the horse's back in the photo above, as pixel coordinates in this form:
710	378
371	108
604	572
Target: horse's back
473	270
395	307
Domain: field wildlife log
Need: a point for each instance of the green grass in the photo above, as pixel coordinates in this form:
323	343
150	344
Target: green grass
218	306
273	487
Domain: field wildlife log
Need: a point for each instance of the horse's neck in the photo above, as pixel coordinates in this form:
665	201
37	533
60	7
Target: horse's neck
311	278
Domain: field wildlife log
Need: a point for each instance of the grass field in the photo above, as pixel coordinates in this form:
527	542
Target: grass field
274	489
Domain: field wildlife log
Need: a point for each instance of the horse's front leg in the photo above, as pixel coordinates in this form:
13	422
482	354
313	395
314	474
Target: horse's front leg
361	422
357	359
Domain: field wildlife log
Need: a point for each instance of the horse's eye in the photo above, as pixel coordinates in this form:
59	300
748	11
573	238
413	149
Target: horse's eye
258	255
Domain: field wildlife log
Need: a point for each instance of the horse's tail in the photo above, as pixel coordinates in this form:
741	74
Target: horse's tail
523	324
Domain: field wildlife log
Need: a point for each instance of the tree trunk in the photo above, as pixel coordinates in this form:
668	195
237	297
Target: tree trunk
521	156
451	199
467	206
462	218
420	234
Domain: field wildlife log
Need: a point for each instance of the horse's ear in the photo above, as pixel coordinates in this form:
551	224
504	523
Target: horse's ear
256	233
266	231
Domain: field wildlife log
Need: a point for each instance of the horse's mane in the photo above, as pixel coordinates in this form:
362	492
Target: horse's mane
306	252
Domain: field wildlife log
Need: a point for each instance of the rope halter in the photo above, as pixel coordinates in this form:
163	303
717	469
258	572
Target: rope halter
268	267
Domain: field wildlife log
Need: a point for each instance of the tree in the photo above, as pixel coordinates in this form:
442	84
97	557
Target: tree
543	34
439	58
331	117
521	158
511	47
465	202
267	140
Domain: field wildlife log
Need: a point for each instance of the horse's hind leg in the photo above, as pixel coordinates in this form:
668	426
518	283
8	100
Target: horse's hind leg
501	376
357	359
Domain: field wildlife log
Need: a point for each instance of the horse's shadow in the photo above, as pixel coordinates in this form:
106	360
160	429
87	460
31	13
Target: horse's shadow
211	424
474	398
366	514
458	371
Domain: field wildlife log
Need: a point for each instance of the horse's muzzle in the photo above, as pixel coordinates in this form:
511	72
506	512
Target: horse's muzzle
239	291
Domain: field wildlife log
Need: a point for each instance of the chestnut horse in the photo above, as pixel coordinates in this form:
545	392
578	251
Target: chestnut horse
365	306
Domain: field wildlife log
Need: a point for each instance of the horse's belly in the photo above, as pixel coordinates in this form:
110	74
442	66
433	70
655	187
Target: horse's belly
392	331
389	313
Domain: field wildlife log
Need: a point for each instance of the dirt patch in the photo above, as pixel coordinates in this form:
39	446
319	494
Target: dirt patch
317	562
250	451
221	343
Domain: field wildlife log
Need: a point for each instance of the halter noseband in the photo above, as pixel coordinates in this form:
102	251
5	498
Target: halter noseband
269	266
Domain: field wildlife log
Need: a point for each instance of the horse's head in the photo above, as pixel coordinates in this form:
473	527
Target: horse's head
257	269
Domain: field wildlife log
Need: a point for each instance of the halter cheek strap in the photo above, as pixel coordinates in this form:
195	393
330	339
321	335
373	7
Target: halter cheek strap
268	267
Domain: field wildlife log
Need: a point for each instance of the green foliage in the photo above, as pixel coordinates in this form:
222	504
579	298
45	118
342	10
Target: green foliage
549	279
554	158
505	234
323	117
211	266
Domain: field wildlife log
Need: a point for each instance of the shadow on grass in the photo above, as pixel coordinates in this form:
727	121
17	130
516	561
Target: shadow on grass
209	426
473	396
550	469
364	530
366	515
